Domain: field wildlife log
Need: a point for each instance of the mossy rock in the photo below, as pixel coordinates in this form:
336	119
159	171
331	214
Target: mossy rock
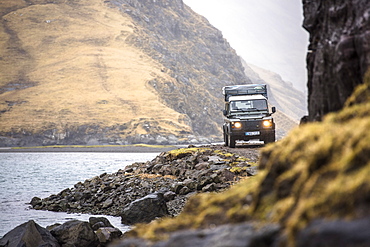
320	171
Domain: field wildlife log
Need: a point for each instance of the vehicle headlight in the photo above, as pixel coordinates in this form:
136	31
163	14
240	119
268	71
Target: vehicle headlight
267	123
236	125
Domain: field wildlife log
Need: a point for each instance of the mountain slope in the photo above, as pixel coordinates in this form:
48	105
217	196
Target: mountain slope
283	95
117	71
92	69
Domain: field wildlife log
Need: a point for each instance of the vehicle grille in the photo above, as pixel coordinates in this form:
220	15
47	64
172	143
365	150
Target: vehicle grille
251	125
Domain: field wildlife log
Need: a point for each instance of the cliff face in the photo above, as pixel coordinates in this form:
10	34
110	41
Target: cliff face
339	52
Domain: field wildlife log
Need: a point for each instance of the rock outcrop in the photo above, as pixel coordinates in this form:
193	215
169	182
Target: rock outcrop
143	191
98	232
29	234
75	233
339	52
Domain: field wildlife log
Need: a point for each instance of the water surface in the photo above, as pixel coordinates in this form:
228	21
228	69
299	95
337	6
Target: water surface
25	175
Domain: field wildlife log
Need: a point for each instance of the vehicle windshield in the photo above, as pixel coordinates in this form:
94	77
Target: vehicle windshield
248	105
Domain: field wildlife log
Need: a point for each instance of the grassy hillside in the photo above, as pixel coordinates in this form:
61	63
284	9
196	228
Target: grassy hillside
72	64
77	72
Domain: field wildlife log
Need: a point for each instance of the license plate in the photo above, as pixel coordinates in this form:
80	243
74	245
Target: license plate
252	133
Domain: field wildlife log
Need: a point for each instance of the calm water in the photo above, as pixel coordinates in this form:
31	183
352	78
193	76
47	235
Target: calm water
25	175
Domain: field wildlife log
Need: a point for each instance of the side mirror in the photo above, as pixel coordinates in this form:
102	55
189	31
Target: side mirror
273	109
224	112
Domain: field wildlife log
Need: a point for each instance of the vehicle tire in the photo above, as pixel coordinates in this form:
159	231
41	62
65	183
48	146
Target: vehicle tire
231	141
226	140
270	138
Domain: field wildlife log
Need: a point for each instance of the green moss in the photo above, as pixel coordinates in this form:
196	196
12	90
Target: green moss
320	170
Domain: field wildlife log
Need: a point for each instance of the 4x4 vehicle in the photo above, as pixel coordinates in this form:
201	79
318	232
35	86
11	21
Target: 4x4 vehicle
247	115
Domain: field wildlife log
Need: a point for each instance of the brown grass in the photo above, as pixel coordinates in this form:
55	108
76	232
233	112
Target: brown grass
83	66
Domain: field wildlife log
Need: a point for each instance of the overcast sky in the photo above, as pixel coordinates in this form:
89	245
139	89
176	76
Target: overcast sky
266	33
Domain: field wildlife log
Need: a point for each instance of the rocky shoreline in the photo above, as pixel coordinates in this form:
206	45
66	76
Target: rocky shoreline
158	188
173	175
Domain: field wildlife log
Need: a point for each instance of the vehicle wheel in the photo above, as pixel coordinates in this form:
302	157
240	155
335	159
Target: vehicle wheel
231	141
226	140
270	138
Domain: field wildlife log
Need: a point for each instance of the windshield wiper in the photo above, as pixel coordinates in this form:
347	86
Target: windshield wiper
252	109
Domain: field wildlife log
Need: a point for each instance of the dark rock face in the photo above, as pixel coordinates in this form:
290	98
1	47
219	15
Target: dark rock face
339	52
29	234
75	233
145	209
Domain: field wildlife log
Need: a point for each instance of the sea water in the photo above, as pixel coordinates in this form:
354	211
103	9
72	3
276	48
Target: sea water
26	175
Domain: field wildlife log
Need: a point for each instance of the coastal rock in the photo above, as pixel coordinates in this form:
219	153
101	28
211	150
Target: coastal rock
98	222
339	52
107	235
145	209
29	234
75	233
176	174
97	232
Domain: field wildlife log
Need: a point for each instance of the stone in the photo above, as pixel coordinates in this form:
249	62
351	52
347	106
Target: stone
29	234
99	221
75	233
35	201
108	234
169	195
108	203
145	209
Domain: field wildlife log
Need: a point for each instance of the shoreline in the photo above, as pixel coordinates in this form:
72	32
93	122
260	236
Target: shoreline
138	148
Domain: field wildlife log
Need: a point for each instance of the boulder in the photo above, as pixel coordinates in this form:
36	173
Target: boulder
108	234
29	234
75	233
98	222
145	209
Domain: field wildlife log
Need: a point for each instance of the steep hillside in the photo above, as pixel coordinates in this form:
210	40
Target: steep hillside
283	95
110	71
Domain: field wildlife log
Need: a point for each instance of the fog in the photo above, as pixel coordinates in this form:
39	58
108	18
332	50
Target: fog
265	33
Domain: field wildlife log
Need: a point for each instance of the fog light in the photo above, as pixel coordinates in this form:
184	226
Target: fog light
267	123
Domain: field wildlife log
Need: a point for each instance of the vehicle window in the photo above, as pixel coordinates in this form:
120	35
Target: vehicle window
245	105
